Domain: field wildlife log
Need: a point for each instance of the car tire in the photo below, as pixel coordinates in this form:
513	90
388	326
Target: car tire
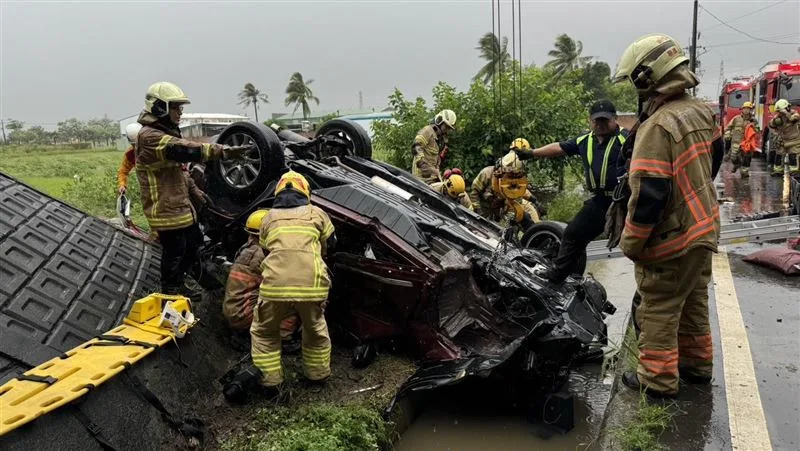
546	236
352	132
270	159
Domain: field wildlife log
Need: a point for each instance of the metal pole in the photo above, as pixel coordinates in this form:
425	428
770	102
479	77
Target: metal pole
693	57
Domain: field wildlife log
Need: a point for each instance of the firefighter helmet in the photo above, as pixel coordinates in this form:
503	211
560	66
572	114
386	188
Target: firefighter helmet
520	144
782	105
446	117
747	105
648	59
293	180
161	96
132	131
253	225
455	185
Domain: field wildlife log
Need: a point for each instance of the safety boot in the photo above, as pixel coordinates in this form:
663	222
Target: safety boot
192	290
631	380
687	375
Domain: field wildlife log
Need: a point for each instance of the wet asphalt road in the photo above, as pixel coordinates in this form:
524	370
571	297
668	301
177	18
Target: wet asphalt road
770	309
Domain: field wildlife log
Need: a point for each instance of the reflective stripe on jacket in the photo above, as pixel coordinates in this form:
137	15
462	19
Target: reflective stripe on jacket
592	183
241	290
673	204
293	269
165	191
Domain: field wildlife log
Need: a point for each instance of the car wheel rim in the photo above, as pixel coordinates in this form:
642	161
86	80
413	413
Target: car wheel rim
546	242
242	172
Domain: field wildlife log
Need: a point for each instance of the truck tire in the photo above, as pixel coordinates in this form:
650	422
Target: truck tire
237	183
360	142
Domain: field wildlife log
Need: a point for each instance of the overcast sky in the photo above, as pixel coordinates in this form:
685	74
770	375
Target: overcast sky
87	59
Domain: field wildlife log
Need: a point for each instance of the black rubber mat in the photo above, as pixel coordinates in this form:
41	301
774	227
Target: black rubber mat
65	276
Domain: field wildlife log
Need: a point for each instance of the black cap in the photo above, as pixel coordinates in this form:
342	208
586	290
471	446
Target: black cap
604	109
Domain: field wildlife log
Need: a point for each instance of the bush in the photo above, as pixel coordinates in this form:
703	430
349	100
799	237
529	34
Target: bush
315	427
547	112
96	194
564	206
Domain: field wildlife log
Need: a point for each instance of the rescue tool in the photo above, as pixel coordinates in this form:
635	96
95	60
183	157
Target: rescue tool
152	322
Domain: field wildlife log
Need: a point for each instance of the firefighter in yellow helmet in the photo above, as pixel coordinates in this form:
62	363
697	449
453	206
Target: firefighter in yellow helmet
244	280
735	137
430	147
786	125
455	188
295	236
160	151
508	206
481	194
672	222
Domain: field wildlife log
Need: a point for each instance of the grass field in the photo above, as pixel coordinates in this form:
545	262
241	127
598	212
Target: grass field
85	179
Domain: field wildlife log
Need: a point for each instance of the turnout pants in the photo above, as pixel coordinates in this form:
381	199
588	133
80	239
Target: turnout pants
673	317
265	333
178	254
584	227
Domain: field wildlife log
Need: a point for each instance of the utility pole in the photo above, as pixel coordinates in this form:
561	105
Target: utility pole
3	126
693	57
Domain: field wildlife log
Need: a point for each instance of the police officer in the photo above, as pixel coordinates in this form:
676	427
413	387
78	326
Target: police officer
672	222
735	137
430	147
599	151
160	150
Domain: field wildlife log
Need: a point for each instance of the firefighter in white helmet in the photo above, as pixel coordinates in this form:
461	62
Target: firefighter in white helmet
430	147
165	190
786	125
672	221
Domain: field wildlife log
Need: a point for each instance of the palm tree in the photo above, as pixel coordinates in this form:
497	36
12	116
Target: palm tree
496	55
251	95
566	56
300	94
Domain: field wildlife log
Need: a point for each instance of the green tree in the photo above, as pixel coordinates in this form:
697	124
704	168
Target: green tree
551	112
566	56
496	55
624	96
14	125
250	95
300	94
73	130
595	77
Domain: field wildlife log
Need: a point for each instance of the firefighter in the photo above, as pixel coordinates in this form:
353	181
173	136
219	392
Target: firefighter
454	187
786	124
160	150
129	158
672	222
244	279
599	151
509	183
430	147
735	133
295	236
481	193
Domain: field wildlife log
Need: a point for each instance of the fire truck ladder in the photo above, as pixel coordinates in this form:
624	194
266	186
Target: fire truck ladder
739	232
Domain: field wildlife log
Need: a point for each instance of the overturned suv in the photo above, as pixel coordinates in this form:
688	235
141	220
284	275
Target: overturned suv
413	266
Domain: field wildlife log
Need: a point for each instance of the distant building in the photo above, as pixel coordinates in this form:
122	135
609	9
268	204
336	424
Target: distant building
199	126
295	121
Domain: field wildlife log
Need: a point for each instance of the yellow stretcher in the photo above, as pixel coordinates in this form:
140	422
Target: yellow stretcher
152	322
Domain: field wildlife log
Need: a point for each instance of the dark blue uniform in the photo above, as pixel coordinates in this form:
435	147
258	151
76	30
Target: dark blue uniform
601	167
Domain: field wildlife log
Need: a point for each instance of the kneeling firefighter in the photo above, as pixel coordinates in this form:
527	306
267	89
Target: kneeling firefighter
295	236
160	150
244	280
453	187
508	206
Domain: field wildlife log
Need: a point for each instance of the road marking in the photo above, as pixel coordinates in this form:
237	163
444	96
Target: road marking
745	413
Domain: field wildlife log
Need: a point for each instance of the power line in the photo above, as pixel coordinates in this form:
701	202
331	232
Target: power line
746	15
727	44
744	32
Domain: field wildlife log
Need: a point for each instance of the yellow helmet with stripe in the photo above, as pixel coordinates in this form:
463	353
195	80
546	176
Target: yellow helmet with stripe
253	224
455	185
520	144
293	180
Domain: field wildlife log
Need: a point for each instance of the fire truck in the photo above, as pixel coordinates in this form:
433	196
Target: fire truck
776	80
